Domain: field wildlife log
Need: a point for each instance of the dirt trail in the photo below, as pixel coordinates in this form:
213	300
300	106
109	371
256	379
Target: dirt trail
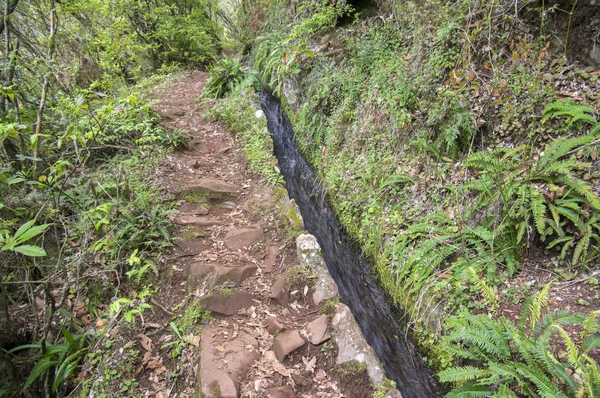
235	258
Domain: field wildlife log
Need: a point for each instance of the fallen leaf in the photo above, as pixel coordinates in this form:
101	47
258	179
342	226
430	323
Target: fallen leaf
146	357
145	342
159	395
155	364
277	366
320	376
100	323
282	370
310	365
220	348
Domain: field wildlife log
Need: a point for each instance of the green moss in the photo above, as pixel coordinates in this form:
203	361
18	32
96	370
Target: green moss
193	318
294	217
382	389
225	292
198	196
191	233
330	306
352	369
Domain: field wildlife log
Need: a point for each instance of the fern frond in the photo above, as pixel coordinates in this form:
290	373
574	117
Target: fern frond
572	351
582	245
544	385
538	209
464	373
561	147
486	290
554	368
470	391
583	189
590	324
504	392
572	111
540	300
556	318
590	343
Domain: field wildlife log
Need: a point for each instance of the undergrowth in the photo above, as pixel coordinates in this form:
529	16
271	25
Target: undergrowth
436	132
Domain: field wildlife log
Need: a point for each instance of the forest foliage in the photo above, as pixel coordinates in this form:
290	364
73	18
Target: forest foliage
458	143
82	223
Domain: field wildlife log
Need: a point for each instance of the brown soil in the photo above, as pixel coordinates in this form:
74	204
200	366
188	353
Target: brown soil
213	153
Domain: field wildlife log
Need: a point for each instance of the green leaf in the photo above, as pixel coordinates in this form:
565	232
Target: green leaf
462	374
24	228
66	368
24	347
469	392
30	233
31	251
68	336
40	368
590	343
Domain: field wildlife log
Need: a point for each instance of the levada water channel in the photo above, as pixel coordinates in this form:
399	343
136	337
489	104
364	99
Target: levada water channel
346	265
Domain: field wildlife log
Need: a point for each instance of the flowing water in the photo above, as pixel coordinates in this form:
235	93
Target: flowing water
346	265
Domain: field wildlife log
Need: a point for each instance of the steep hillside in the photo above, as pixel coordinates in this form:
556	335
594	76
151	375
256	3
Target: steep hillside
458	144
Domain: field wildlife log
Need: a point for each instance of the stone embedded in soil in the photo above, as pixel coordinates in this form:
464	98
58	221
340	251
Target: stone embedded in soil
274	326
227	303
299	380
279	291
201	221
221	385
193	208
352	345
227	205
317	330
271	261
244	237
216	274
195	121
209	186
286	343
219	369
192	246
309	254
393	393
281	392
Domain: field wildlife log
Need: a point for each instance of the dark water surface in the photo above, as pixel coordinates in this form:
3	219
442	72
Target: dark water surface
346	264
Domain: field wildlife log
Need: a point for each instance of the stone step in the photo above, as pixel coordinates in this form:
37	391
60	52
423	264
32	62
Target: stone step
227	302
243	237
201	221
217	274
208	186
223	363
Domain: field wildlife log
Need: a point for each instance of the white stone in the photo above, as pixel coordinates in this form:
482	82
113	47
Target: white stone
309	254
352	345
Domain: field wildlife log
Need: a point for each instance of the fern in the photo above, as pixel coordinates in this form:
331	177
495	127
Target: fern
487	291
471	391
518	189
572	112
497	356
462	374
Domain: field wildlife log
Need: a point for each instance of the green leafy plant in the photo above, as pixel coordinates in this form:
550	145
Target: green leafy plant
497	357
179	341
546	195
227	75
26	232
60	359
